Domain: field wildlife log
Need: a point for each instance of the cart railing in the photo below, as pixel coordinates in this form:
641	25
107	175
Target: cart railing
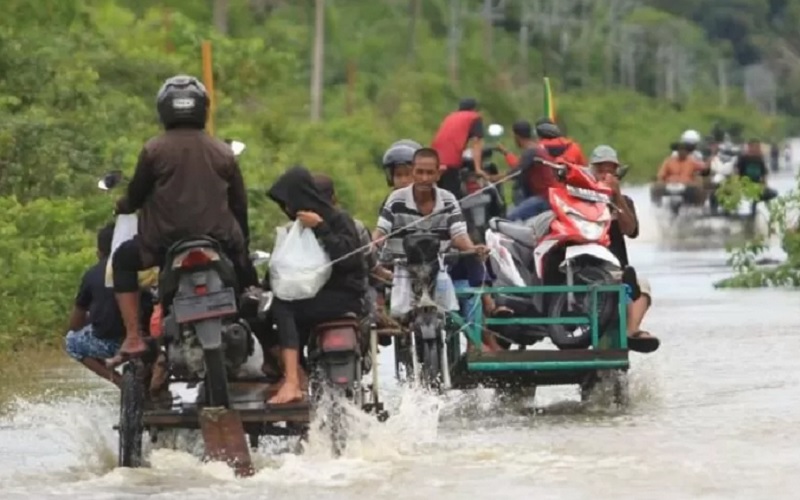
615	340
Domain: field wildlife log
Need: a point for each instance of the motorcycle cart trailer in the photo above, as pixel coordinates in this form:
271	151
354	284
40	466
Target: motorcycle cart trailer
605	358
229	432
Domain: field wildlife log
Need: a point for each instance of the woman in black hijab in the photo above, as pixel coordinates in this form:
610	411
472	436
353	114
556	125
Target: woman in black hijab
297	195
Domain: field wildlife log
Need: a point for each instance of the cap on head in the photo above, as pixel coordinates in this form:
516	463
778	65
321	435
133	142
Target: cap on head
523	129
604	154
468	104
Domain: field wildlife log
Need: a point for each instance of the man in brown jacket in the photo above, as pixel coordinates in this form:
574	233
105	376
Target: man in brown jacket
186	184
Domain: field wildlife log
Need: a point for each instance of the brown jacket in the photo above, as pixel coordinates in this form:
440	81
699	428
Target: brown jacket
187	184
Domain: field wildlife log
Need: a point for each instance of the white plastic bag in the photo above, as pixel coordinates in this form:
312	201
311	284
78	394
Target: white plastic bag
502	261
125	228
400	298
299	266
445	290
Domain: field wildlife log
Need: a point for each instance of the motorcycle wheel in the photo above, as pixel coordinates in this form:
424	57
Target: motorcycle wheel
216	380
431	363
131	412
335	393
562	335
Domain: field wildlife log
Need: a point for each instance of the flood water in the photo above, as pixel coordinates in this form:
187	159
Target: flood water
714	414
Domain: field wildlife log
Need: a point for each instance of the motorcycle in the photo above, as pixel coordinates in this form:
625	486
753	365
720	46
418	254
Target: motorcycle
203	333
674	193
424	352
566	245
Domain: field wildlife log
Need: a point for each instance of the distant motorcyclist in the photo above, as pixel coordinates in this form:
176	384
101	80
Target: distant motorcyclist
753	166
458	130
681	168
186	184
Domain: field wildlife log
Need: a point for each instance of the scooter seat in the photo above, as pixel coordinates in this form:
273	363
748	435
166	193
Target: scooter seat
520	233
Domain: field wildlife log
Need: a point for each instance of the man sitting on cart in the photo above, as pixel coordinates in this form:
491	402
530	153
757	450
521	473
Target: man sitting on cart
604	163
437	208
95	324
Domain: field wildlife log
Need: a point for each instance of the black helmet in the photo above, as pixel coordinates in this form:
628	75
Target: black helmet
182	102
546	129
399	153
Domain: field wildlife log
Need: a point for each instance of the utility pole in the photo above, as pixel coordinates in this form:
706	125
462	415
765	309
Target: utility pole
220	16
415	12
487	29
317	69
525	38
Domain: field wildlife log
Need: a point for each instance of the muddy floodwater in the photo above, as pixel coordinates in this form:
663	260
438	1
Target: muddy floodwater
715	413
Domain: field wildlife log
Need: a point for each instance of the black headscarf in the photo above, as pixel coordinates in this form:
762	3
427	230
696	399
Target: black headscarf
295	190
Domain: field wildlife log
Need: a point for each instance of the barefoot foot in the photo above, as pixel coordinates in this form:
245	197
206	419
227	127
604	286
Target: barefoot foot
288	393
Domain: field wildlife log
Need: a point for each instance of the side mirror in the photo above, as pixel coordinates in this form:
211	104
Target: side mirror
621	171
259	257
495	130
237	147
110	180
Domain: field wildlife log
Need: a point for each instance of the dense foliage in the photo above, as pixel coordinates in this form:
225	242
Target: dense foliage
79	78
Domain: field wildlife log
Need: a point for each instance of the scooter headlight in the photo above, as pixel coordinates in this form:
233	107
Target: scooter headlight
589	229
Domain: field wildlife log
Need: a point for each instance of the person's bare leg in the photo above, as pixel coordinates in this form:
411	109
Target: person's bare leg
636	311
129	309
99	368
290	389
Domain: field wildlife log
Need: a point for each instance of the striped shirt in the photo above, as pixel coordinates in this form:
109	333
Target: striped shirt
400	210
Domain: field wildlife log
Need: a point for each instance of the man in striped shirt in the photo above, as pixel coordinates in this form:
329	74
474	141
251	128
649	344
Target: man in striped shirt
424	207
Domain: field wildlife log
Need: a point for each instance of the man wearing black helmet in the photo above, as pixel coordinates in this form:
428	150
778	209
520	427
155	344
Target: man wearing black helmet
459	129
186	184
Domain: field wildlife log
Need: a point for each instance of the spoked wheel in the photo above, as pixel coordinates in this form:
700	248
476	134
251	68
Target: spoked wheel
216	379
131	412
579	336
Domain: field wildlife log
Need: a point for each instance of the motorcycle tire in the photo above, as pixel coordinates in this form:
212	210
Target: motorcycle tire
563	335
131	412
431	363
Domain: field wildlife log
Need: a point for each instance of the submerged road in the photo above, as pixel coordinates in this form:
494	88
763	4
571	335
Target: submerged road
714	414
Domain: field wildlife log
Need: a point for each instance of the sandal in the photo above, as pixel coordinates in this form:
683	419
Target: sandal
641	341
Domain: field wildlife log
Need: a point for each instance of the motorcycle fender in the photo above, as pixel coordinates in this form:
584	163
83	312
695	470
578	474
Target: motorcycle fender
209	333
592	250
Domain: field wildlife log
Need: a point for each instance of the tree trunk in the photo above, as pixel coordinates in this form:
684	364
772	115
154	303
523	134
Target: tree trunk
415	12
318	61
220	16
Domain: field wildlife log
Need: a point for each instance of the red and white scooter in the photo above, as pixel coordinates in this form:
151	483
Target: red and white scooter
565	245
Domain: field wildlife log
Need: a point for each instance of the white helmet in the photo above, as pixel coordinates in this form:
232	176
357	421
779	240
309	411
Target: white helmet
691	137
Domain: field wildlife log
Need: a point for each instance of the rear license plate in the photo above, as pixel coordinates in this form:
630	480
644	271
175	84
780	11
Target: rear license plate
190	308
